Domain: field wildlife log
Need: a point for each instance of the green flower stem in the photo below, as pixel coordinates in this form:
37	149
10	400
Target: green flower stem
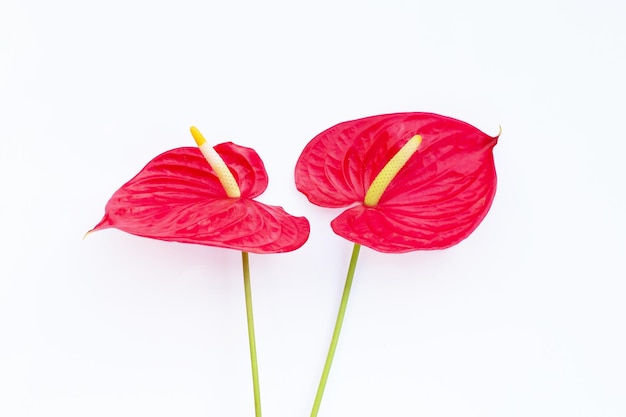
251	337
335	338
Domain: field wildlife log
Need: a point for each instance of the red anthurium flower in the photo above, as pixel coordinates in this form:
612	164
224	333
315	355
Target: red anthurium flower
205	196
412	180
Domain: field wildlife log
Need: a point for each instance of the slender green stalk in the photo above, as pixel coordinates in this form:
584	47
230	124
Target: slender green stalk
251	337
335	338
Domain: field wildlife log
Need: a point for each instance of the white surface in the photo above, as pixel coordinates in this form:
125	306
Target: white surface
524	318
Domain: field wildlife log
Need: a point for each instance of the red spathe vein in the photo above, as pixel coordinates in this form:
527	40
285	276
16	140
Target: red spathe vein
177	197
436	200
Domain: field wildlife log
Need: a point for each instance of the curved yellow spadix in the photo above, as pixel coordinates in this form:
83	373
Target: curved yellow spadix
391	169
217	163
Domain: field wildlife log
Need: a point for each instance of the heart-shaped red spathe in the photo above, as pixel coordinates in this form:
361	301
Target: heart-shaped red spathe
436	200
178	197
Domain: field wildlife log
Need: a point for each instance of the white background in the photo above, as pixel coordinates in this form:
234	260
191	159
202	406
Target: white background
527	317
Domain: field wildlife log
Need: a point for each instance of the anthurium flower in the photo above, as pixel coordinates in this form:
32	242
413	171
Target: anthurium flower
411	180
205	196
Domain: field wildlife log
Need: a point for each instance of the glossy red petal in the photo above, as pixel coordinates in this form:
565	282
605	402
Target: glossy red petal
246	166
337	166
437	199
177	197
443	221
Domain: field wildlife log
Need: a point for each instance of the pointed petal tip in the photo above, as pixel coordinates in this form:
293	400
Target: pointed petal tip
102	224
95	229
